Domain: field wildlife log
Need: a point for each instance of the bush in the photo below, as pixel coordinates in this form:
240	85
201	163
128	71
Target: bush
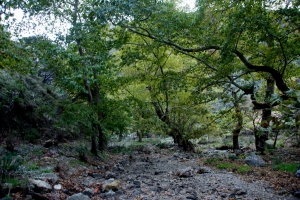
9	162
31	134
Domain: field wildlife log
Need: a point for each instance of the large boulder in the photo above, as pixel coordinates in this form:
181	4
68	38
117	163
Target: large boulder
255	160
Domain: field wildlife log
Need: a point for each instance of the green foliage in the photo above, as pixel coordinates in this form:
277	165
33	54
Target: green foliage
244	169
233	157
235	167
120	149
33	167
13	182
287	167
9	163
212	160
225	166
276	161
162	145
31	134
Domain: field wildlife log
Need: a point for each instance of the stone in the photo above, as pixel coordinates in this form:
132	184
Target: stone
203	170
50	143
111	184
109	175
97	175
255	160
186	172
88	192
49	176
78	196
57	187
40	186
298	172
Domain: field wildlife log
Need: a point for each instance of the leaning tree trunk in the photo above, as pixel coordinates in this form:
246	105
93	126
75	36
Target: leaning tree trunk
261	137
239	125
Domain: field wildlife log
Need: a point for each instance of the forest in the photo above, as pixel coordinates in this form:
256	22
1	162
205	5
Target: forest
88	76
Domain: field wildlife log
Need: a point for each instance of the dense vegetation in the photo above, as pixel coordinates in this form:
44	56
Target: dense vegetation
122	67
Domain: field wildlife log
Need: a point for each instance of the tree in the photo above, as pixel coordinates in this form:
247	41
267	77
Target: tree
230	39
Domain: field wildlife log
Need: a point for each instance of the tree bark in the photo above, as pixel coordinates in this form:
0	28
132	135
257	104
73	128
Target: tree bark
94	146
261	137
239	125
139	134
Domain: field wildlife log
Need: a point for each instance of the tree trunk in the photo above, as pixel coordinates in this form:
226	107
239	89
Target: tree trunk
261	137
101	139
94	146
120	137
239	125
139	134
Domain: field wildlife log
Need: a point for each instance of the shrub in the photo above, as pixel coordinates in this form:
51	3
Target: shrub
31	134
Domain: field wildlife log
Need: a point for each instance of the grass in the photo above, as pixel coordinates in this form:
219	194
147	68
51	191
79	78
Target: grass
226	166
13	182
244	169
287	167
235	167
33	167
212	160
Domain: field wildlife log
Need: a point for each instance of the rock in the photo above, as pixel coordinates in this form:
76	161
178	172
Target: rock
41	186
187	172
135	193
109	175
49	176
49	143
203	171
255	160
96	175
297	193
78	196
88	192
57	187
111	184
298	172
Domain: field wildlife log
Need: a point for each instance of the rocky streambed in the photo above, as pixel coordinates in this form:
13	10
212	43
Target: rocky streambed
148	174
